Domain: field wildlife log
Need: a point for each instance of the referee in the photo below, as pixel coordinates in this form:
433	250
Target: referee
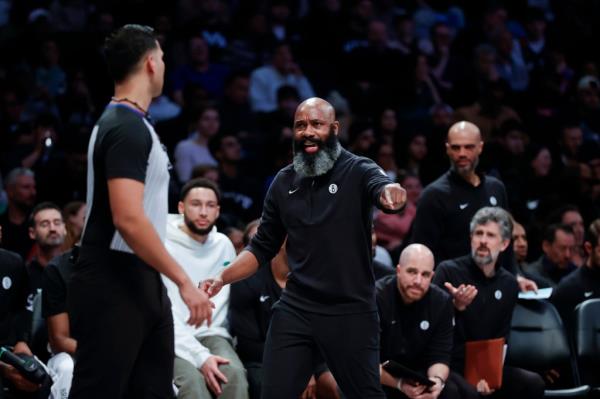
121	315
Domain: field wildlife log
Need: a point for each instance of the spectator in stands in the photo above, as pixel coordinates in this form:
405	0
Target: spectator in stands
534	46
361	138
236	236
484	296
385	157
21	193
50	78
510	64
55	279
417	329
519	242
387	129
282	70
74	214
380	268
206	363
236	105
250	313
583	283
392	229
489	111
571	216
241	198
199	71
555	263
414	150
194	150
47	229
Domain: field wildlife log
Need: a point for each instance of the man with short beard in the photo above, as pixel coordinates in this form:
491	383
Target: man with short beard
447	205
323	203
21	192
206	364
417	329
484	298
584	282
47	229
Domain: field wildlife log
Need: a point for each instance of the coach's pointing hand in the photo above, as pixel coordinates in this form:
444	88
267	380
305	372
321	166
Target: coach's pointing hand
393	197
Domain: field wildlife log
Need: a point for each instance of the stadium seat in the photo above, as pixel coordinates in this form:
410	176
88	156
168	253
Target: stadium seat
538	342
587	341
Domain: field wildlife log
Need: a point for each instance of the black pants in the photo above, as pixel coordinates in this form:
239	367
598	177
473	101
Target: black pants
520	383
456	388
121	319
348	343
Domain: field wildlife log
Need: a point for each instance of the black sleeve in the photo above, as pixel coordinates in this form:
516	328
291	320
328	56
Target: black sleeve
439	349
374	179
271	231
507	317
54	292
427	226
244	323
126	149
22	316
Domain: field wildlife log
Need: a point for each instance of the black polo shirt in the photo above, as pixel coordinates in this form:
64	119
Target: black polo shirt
54	285
577	287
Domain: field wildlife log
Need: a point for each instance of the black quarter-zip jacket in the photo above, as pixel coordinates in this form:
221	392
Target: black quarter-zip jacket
446	208
416	335
490	313
327	220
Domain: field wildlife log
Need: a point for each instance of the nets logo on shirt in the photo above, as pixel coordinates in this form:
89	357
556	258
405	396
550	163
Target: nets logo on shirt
333	188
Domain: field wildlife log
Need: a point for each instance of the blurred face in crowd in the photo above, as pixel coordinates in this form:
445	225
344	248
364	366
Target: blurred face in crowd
542	163
200	209
487	243
236	237
77	220
209	123
572	139
593	251
417	148
238	90
413	188
22	192
520	244
514	142
385	157
388	122
231	150
463	146
377	34
560	250
283	59
414	273
574	219
364	141
48	229
316	146
198	51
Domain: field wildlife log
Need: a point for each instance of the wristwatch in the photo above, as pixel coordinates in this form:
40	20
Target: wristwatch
442	381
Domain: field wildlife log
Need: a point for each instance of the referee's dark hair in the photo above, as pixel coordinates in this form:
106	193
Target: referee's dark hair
200	182
125	47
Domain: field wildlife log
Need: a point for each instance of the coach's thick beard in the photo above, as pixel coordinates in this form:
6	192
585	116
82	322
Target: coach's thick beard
319	163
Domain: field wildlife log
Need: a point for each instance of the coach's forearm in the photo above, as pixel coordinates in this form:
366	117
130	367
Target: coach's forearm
244	265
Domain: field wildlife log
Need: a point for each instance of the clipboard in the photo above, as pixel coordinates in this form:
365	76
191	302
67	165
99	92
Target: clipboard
484	360
400	371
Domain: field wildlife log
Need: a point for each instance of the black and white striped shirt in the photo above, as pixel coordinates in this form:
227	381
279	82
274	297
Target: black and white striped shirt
124	145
